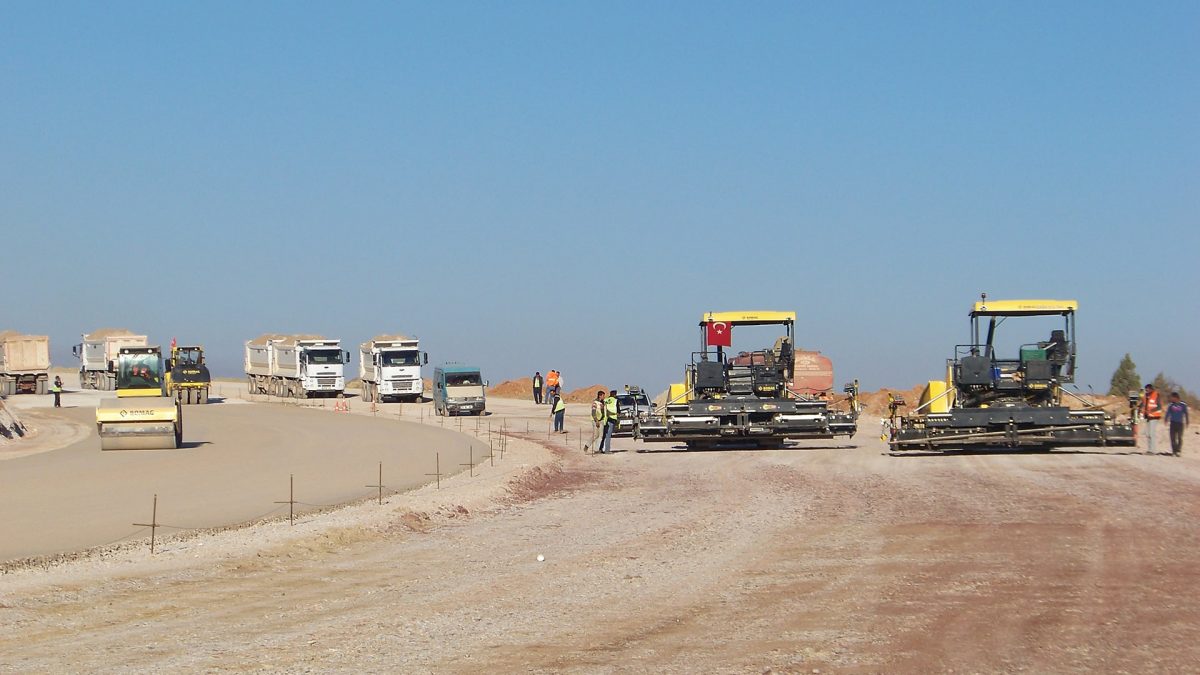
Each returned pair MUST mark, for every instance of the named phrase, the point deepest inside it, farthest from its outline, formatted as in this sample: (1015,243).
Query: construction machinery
(1015,400)
(748,400)
(142,416)
(187,374)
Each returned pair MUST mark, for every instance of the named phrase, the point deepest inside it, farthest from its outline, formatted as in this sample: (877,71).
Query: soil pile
(522,388)
(584,394)
(876,402)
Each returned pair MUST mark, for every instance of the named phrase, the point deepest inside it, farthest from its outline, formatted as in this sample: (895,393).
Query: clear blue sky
(537,185)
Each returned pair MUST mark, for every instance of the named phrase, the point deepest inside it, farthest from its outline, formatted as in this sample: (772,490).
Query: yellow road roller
(143,416)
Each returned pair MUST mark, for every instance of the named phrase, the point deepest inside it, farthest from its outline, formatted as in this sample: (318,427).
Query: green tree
(1125,379)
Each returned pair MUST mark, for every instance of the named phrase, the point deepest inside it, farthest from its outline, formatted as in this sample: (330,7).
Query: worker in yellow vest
(611,415)
(558,408)
(599,419)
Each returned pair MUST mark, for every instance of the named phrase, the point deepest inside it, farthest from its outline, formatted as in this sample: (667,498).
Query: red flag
(720,334)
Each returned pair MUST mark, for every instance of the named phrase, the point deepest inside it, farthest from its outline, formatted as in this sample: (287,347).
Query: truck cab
(390,368)
(458,390)
(322,366)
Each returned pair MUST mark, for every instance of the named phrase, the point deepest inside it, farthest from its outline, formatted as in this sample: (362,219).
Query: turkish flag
(720,334)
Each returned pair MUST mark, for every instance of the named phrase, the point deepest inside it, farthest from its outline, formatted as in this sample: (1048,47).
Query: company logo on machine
(137,413)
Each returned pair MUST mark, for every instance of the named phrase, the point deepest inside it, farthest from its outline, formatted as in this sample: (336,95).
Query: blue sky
(537,185)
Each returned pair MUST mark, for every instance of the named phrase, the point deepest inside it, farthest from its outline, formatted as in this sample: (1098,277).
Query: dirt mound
(108,332)
(876,402)
(584,394)
(522,388)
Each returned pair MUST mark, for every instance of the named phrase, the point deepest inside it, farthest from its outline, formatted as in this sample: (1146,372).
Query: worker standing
(551,383)
(599,417)
(1177,421)
(537,387)
(611,414)
(57,389)
(558,408)
(1151,410)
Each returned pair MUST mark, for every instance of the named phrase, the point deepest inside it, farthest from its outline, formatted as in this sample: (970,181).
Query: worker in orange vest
(551,383)
(1151,410)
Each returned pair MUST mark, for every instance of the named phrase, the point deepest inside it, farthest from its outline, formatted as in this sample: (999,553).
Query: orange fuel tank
(812,373)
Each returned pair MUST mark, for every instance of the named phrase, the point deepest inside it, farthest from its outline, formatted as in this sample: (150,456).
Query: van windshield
(401,358)
(463,380)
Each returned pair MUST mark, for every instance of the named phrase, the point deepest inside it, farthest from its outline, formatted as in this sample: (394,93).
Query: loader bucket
(145,423)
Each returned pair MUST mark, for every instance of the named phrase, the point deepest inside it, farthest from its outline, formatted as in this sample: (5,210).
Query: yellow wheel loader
(142,416)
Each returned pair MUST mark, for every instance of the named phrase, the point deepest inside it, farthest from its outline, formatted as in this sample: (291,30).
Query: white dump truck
(98,353)
(295,366)
(390,368)
(24,363)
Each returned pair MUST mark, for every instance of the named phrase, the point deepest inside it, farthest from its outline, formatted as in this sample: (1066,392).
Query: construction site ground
(831,556)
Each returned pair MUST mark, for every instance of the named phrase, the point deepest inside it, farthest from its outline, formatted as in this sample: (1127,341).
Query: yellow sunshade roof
(1023,307)
(759,318)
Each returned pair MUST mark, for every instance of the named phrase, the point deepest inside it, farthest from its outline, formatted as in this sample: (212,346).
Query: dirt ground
(829,557)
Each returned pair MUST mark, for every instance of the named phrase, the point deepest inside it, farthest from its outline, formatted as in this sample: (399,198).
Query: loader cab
(186,356)
(140,372)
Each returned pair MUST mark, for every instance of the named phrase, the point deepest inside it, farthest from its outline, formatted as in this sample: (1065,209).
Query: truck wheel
(40,387)
(204,395)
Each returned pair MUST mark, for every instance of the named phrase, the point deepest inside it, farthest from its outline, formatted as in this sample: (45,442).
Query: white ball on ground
(541,558)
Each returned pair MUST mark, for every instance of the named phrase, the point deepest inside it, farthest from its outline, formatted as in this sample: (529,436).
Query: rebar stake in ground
(291,502)
(380,484)
(153,524)
(437,469)
(471,464)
